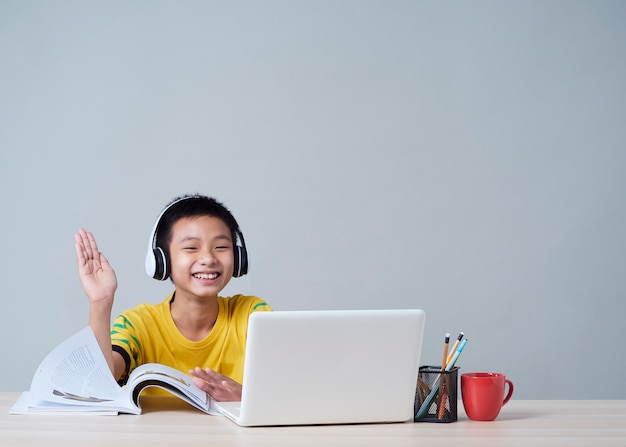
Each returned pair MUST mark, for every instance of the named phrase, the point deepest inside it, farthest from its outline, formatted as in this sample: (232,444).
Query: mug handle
(510,393)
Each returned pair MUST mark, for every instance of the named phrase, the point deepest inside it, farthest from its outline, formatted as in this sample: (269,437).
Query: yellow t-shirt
(147,334)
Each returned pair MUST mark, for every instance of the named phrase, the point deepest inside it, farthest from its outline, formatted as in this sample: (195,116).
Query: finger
(218,380)
(226,390)
(80,255)
(104,262)
(81,248)
(212,374)
(92,246)
(204,381)
(83,243)
(206,374)
(203,385)
(198,372)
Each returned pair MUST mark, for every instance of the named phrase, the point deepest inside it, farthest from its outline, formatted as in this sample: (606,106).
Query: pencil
(456,345)
(444,397)
(456,355)
(444,362)
(422,389)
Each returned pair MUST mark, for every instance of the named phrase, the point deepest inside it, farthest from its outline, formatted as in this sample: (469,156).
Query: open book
(74,377)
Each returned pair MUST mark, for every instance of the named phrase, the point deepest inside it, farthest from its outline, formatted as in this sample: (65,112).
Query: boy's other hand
(94,271)
(218,386)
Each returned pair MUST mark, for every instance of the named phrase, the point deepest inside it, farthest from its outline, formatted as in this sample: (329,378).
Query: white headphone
(157,264)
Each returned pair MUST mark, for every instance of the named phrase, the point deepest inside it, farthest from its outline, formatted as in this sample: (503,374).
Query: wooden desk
(170,422)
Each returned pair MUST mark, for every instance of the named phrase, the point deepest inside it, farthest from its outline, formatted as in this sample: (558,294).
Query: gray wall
(466,158)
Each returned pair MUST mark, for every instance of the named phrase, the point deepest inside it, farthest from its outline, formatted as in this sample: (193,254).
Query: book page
(22,406)
(76,373)
(170,379)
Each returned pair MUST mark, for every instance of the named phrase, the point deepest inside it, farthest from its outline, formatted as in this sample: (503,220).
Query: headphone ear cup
(241,262)
(150,263)
(161,269)
(237,262)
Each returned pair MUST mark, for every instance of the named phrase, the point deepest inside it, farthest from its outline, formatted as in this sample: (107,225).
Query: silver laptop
(329,367)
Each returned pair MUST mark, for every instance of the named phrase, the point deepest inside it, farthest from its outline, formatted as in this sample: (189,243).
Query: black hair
(193,206)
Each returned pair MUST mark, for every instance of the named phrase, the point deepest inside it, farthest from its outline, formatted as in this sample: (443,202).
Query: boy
(197,243)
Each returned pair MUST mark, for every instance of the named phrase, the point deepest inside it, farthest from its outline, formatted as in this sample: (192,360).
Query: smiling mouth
(206,275)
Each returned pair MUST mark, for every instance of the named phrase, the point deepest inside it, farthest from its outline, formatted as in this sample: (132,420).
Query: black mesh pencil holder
(436,395)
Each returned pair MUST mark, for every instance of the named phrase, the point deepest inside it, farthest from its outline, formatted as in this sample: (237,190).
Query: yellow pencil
(456,345)
(444,362)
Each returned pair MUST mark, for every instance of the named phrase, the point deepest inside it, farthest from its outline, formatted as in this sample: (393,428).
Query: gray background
(466,158)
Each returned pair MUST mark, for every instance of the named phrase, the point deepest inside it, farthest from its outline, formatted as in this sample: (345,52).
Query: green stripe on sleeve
(256,306)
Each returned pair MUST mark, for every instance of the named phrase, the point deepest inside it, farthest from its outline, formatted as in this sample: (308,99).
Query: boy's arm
(99,318)
(99,283)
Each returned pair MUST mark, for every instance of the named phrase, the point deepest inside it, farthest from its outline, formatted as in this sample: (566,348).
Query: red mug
(483,394)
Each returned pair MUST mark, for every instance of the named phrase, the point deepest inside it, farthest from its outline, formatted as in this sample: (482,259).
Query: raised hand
(94,271)
(218,386)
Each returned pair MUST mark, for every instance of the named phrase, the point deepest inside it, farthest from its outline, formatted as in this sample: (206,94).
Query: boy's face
(201,256)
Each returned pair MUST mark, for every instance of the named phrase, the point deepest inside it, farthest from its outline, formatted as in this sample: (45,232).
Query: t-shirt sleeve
(258,305)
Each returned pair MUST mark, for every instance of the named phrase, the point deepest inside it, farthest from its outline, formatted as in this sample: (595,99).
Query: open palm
(96,274)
